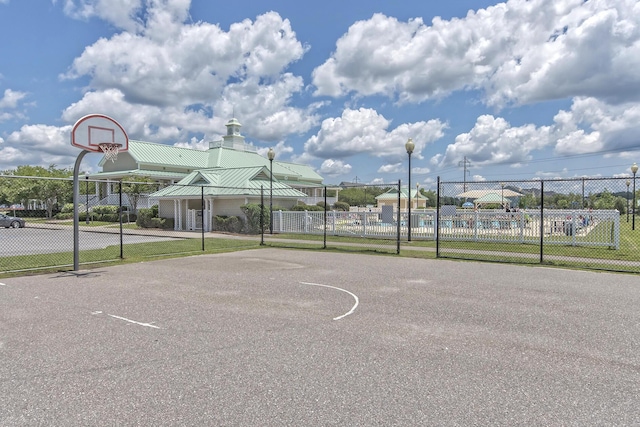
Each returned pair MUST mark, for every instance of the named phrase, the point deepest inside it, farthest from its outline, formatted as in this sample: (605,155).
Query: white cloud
(595,126)
(515,52)
(391,168)
(365,131)
(493,140)
(193,81)
(11,98)
(38,145)
(334,168)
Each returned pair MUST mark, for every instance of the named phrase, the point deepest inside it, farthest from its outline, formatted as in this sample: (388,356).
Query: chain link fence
(583,223)
(372,220)
(116,220)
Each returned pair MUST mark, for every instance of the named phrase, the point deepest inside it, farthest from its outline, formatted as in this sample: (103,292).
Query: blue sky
(521,89)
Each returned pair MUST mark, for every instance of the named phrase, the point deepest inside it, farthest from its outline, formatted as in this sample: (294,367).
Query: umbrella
(467,205)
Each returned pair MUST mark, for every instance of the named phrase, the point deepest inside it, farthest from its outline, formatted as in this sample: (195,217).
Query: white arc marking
(355,297)
(149,325)
(2,284)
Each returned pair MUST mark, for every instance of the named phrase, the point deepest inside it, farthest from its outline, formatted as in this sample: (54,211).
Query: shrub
(341,206)
(144,219)
(253,212)
(68,207)
(105,209)
(231,224)
(299,208)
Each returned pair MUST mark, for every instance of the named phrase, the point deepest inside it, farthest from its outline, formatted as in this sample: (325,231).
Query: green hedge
(229,224)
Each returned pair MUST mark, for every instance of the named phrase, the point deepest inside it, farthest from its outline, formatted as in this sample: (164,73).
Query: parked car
(11,221)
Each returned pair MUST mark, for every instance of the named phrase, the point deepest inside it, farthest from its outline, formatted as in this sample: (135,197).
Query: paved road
(30,240)
(276,337)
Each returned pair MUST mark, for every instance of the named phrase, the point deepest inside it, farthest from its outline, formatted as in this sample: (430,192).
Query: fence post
(436,222)
(541,220)
(324,243)
(398,217)
(262,216)
(120,218)
(203,217)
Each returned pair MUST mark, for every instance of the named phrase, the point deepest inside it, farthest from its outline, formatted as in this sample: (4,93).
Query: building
(201,184)
(390,198)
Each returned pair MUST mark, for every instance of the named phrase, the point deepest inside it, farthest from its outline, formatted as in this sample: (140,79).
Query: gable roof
(227,182)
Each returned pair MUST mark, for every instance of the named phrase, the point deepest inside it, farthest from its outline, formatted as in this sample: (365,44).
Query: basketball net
(110,150)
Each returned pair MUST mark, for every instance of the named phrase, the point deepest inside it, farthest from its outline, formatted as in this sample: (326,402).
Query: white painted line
(355,297)
(2,284)
(149,325)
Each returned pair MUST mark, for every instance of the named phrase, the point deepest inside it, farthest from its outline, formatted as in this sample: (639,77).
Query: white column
(108,187)
(210,215)
(175,215)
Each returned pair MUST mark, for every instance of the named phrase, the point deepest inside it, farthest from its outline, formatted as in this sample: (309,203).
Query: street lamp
(409,147)
(86,180)
(628,182)
(634,169)
(271,155)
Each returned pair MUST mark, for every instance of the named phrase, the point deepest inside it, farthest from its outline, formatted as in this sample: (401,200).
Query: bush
(299,208)
(105,209)
(341,206)
(231,224)
(68,207)
(145,217)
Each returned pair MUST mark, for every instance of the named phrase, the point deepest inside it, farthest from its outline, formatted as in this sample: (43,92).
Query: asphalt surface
(275,337)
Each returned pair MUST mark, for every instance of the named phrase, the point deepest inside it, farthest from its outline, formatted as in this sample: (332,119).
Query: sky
(517,90)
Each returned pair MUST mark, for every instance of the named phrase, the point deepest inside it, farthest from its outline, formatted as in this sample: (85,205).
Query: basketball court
(276,337)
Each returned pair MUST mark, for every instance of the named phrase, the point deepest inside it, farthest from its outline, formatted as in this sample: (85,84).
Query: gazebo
(494,196)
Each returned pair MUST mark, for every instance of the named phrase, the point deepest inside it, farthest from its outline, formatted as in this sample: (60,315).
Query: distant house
(227,175)
(390,198)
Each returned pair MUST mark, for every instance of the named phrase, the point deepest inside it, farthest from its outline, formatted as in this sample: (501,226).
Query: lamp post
(271,155)
(504,206)
(628,182)
(86,189)
(634,169)
(409,147)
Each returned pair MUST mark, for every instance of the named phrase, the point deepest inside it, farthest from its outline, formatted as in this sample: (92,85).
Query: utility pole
(464,163)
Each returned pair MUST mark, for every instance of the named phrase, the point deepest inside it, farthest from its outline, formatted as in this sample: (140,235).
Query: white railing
(562,227)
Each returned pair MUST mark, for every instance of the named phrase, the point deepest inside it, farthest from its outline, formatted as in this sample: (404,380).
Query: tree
(135,187)
(54,187)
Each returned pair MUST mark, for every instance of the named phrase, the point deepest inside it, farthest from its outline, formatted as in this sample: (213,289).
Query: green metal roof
(167,155)
(149,153)
(141,172)
(227,182)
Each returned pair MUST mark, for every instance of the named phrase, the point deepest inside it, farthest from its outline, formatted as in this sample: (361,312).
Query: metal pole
(324,244)
(436,220)
(541,220)
(633,217)
(628,200)
(86,187)
(398,222)
(409,196)
(120,218)
(76,199)
(261,215)
(203,211)
(271,197)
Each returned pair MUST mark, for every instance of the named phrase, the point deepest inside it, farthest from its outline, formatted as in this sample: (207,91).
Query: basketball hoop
(110,150)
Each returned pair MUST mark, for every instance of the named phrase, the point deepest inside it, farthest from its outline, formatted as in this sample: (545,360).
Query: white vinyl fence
(561,227)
